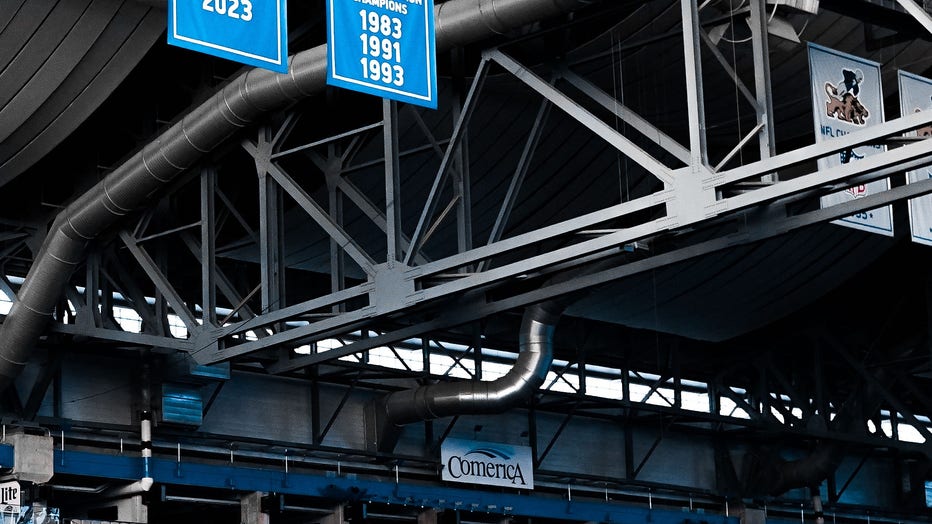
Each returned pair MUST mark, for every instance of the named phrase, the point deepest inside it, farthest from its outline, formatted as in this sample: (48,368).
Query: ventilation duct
(386,416)
(769,474)
(238,104)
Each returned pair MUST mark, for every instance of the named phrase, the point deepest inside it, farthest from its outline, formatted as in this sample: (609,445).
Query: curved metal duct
(535,355)
(385,417)
(238,104)
(769,474)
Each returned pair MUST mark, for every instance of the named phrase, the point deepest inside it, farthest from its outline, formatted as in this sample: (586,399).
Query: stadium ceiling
(566,118)
(652,164)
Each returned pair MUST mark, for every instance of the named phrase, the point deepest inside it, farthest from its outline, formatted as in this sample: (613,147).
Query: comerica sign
(487,463)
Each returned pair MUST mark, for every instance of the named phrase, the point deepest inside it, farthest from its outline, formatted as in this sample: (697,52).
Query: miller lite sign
(10,493)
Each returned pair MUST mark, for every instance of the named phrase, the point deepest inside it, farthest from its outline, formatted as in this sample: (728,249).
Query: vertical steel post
(694,94)
(208,246)
(763,395)
(270,236)
(392,182)
(314,373)
(461,185)
(333,172)
(763,93)
(532,427)
(477,349)
(91,288)
(629,444)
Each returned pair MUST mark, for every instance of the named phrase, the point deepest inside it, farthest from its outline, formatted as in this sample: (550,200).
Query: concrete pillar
(334,518)
(754,516)
(251,509)
(33,457)
(428,516)
(132,509)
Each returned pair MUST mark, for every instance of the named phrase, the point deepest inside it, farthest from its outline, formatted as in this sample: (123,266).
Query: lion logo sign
(843,102)
(925,131)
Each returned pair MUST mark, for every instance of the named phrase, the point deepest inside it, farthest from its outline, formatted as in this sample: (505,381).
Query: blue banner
(252,32)
(384,48)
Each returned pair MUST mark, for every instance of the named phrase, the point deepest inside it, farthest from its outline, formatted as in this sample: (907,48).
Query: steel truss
(396,285)
(650,404)
(400,281)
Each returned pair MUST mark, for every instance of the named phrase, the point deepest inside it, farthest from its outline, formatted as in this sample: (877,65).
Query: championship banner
(916,95)
(846,97)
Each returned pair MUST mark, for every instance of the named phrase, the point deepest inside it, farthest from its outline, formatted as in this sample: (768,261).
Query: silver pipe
(146,439)
(817,507)
(458,398)
(238,104)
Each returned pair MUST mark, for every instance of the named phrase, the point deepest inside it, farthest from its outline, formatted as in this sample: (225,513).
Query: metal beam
(296,310)
(628,116)
(455,316)
(517,179)
(376,490)
(129,288)
(161,283)
(271,225)
(392,182)
(694,93)
(138,339)
(722,61)
(459,132)
(578,113)
(918,13)
(874,134)
(354,250)
(883,388)
(378,217)
(222,282)
(208,246)
(762,85)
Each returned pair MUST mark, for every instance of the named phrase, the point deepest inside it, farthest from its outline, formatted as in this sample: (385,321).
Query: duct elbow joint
(386,416)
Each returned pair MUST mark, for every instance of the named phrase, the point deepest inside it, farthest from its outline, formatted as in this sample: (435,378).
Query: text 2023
(240,9)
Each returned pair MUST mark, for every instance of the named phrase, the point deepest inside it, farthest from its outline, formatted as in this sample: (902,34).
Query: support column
(763,93)
(694,94)
(251,509)
(428,516)
(754,516)
(392,183)
(208,246)
(336,517)
(271,227)
(332,172)
(461,184)
(132,510)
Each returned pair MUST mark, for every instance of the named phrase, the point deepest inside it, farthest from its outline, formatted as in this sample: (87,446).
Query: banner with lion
(847,97)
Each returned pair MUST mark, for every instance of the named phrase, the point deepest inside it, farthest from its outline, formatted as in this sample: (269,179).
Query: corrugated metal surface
(58,62)
(733,292)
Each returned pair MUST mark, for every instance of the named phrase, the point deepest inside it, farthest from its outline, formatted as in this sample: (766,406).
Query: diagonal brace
(320,216)
(575,111)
